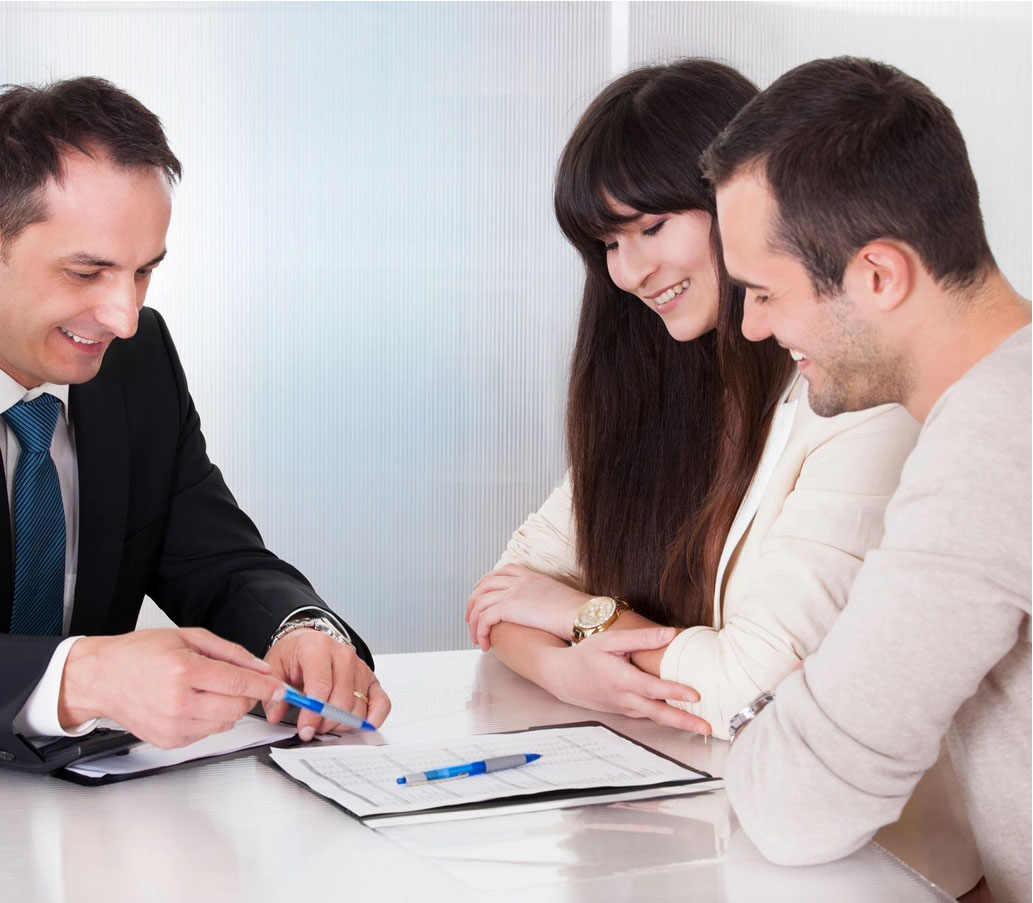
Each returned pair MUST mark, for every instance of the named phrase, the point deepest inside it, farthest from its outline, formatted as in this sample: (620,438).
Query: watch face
(596,612)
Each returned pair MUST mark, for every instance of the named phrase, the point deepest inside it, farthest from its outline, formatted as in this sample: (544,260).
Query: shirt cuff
(38,717)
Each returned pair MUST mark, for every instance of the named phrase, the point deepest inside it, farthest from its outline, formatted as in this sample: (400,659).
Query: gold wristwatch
(596,615)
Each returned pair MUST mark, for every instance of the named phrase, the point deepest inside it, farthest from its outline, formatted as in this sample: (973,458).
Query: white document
(246,733)
(364,780)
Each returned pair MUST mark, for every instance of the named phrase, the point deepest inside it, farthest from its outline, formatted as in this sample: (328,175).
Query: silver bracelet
(323,625)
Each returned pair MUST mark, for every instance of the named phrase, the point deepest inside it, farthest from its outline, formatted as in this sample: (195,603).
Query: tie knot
(33,422)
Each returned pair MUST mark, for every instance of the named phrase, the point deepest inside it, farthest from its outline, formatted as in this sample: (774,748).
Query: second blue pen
(499,763)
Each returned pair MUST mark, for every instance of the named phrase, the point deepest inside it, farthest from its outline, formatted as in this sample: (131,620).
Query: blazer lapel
(778,438)
(102,455)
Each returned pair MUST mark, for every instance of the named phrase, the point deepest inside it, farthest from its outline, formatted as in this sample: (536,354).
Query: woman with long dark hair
(671,415)
(711,523)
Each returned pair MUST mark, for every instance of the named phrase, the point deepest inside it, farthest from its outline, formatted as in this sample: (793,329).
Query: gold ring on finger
(361,696)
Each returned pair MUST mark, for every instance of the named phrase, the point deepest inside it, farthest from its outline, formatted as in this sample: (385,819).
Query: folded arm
(839,752)
(596,673)
(524,610)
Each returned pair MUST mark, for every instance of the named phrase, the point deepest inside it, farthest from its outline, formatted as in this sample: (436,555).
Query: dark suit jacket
(155,518)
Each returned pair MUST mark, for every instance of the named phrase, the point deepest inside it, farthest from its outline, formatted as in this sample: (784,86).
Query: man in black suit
(135,506)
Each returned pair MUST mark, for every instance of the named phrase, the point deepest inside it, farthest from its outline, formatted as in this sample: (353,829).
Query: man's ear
(881,272)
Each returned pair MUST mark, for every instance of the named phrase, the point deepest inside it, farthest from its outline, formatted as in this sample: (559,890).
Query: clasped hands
(171,687)
(598,673)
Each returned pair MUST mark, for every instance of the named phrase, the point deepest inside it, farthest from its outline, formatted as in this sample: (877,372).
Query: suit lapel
(102,456)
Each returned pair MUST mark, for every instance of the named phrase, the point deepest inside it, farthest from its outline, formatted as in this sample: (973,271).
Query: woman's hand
(521,596)
(597,674)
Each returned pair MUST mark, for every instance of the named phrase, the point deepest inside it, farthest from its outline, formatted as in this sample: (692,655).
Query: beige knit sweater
(934,641)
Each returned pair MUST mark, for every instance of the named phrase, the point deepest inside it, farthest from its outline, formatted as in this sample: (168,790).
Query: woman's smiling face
(665,259)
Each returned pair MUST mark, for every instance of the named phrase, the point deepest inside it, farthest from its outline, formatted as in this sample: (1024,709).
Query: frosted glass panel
(975,56)
(367,287)
(365,282)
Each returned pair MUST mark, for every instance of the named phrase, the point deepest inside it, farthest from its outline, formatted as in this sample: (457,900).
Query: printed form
(364,779)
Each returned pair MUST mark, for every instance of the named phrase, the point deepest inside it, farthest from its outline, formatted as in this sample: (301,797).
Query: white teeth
(673,292)
(797,355)
(78,339)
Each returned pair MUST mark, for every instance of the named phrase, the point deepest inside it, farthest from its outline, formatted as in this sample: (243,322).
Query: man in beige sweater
(849,211)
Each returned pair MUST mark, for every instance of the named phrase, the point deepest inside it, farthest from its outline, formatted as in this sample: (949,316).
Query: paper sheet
(246,733)
(364,779)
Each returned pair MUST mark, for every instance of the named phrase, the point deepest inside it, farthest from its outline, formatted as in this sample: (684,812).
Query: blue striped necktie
(39,521)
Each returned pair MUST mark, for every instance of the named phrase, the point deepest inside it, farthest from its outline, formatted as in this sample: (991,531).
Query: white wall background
(365,281)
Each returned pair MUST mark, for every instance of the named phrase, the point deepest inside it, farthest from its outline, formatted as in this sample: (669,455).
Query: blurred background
(365,282)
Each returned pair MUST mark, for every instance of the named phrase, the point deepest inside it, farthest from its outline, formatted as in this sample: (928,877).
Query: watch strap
(745,715)
(321,623)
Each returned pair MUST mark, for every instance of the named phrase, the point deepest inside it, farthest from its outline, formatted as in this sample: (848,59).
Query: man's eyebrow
(89,260)
(742,283)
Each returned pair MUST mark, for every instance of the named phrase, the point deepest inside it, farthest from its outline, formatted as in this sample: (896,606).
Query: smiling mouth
(666,297)
(78,339)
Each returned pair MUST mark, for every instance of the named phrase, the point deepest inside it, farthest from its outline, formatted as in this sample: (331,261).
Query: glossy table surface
(239,830)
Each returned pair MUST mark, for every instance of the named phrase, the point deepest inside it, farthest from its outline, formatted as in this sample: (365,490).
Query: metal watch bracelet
(744,716)
(323,625)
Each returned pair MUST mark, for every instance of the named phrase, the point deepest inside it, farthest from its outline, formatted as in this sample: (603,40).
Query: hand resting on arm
(519,595)
(526,619)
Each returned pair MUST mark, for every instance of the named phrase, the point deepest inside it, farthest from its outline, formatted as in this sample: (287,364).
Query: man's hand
(325,669)
(168,687)
(596,674)
(521,596)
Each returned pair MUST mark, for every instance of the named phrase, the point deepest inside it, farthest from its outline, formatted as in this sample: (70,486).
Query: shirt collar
(11,392)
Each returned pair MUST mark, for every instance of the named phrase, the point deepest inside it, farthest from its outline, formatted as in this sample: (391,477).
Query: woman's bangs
(618,169)
(583,207)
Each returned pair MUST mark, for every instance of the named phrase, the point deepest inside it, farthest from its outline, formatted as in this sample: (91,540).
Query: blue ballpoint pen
(499,763)
(330,712)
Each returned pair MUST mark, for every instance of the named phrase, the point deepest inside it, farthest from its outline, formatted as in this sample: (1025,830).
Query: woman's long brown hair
(663,437)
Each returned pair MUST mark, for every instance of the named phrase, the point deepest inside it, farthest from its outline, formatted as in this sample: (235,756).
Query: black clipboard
(261,751)
(61,771)
(48,755)
(499,805)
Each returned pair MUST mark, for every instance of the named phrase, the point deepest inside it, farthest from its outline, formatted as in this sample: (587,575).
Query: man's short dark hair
(853,151)
(39,124)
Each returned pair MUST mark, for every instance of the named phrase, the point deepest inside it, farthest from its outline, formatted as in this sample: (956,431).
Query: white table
(238,830)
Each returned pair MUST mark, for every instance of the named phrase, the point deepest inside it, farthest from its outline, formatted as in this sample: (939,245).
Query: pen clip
(451,777)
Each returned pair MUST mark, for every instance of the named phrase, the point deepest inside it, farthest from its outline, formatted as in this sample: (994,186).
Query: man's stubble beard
(861,372)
